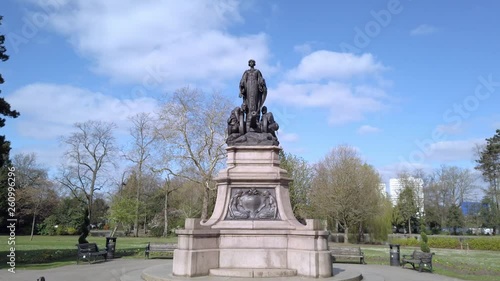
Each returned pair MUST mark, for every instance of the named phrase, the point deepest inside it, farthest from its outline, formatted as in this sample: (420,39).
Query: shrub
(61,230)
(44,256)
(47,226)
(452,242)
(424,247)
(408,242)
(484,243)
(71,230)
(425,239)
(444,242)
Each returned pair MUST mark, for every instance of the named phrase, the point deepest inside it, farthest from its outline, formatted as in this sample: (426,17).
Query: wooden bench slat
(155,247)
(348,253)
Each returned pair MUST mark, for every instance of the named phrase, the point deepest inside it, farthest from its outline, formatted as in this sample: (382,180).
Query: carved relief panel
(253,204)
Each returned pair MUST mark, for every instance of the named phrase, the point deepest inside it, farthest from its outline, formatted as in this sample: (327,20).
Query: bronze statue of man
(253,89)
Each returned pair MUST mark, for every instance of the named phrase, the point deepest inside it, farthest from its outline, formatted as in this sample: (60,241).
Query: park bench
(156,247)
(89,251)
(418,258)
(347,252)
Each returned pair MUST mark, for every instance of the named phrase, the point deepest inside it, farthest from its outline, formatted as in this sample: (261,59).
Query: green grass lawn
(468,265)
(54,251)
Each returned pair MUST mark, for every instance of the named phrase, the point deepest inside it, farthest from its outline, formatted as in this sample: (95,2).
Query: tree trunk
(33,226)
(346,235)
(204,211)
(165,212)
(90,206)
(112,234)
(360,233)
(136,217)
(409,226)
(137,201)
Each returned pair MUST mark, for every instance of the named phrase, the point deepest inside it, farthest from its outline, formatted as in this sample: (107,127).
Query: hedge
(51,255)
(475,243)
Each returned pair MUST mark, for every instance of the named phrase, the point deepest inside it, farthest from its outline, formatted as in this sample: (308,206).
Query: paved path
(111,270)
(128,269)
(392,273)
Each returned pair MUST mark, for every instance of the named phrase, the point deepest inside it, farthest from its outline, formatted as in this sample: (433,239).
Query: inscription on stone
(252,204)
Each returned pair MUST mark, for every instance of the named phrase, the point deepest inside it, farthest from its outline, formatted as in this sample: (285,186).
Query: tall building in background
(395,187)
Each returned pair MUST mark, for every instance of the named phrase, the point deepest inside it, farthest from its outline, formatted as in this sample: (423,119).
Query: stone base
(252,230)
(253,272)
(202,250)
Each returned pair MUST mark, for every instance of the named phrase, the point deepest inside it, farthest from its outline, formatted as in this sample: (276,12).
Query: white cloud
(58,107)
(367,129)
(393,170)
(423,29)
(348,86)
(171,41)
(332,65)
(288,137)
(343,103)
(450,129)
(305,48)
(451,151)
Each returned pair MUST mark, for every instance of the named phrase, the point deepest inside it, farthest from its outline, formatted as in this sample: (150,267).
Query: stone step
(164,273)
(253,272)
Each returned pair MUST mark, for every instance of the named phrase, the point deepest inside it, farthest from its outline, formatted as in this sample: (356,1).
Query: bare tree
(346,189)
(448,186)
(456,184)
(89,155)
(143,138)
(192,129)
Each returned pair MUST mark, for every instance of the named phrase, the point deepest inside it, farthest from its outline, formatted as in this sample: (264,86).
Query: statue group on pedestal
(252,124)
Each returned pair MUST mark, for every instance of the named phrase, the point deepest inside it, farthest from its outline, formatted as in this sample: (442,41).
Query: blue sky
(402,81)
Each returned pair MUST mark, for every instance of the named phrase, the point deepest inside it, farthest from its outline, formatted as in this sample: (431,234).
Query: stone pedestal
(252,231)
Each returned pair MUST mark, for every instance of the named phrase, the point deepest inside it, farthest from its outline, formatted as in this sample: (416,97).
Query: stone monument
(252,231)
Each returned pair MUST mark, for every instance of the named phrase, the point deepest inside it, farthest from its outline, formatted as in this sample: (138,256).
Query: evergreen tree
(455,218)
(489,165)
(5,111)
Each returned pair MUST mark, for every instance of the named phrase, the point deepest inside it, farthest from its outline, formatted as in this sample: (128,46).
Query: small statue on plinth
(267,123)
(252,124)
